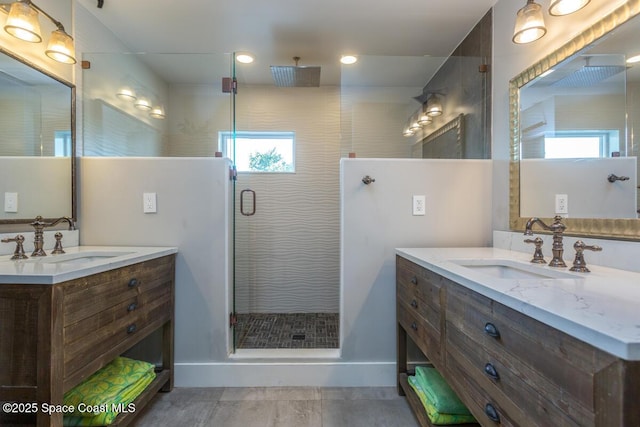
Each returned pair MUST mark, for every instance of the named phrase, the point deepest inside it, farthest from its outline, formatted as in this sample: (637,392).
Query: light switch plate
(11,202)
(149,203)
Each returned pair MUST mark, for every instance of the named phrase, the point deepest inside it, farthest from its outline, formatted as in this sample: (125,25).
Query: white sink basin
(79,258)
(509,269)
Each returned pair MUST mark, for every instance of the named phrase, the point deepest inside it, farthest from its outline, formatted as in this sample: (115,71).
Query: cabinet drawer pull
(490,370)
(132,306)
(133,283)
(491,330)
(414,326)
(131,328)
(414,304)
(491,412)
(414,280)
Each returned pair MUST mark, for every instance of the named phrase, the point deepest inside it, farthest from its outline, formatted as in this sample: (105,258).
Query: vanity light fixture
(348,59)
(126,93)
(142,103)
(424,118)
(157,112)
(565,7)
(22,23)
(529,23)
(434,106)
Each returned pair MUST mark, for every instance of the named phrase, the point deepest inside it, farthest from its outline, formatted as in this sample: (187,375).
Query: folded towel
(439,393)
(112,411)
(437,418)
(107,386)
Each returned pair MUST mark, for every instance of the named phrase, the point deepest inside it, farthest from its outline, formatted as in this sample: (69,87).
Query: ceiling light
(348,59)
(23,23)
(633,59)
(529,23)
(244,58)
(565,7)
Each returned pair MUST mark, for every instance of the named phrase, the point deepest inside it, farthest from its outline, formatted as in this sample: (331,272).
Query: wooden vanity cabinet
(512,370)
(54,336)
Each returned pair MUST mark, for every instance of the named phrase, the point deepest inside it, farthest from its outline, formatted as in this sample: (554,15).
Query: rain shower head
(295,75)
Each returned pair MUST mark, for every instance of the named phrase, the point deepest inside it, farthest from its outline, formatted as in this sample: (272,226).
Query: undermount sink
(509,269)
(79,258)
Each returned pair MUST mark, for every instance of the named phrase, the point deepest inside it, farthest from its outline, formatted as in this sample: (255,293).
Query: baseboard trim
(286,374)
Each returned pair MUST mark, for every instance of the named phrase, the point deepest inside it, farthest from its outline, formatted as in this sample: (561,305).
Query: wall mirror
(38,143)
(573,116)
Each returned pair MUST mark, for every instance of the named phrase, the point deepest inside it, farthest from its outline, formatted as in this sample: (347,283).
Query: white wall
(377,218)
(193,215)
(509,60)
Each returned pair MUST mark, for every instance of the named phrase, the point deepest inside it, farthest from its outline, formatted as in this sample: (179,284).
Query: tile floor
(288,330)
(278,407)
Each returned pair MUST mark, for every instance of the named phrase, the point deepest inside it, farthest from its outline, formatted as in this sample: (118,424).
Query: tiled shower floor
(287,330)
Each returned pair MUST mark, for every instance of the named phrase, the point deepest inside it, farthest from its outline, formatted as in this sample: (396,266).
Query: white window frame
(225,145)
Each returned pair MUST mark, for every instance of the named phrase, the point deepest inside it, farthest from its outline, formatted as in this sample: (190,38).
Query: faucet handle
(579,264)
(538,258)
(57,249)
(19,252)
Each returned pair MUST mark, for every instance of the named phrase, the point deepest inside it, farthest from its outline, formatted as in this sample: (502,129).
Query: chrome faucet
(39,225)
(557,228)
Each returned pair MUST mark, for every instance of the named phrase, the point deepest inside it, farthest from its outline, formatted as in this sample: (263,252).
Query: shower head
(295,75)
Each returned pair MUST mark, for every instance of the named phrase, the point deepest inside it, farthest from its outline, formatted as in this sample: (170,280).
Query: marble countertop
(77,262)
(601,308)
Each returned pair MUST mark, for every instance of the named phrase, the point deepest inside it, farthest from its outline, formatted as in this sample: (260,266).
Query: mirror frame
(72,87)
(456,125)
(628,229)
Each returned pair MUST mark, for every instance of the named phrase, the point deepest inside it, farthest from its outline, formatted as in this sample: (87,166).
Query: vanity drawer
(560,368)
(419,282)
(421,332)
(87,296)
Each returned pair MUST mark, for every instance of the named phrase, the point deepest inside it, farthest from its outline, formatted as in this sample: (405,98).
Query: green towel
(443,398)
(109,385)
(110,412)
(437,418)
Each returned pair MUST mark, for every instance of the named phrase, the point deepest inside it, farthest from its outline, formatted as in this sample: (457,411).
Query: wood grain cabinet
(510,369)
(54,336)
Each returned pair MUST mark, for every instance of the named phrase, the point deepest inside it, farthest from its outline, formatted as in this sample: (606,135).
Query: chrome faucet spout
(557,228)
(39,225)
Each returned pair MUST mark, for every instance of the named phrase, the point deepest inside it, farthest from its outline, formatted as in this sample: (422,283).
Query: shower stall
(286,149)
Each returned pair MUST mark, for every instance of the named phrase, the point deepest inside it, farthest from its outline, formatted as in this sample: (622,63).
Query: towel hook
(368,180)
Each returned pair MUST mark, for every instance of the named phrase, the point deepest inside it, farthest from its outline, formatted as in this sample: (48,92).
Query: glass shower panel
(286,219)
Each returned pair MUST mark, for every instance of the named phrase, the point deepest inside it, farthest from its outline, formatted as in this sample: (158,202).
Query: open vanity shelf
(53,336)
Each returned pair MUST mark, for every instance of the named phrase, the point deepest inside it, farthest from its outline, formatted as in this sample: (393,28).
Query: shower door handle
(253,203)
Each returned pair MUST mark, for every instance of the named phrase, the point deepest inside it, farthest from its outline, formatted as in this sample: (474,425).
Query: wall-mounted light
(126,93)
(424,118)
(157,112)
(565,7)
(633,59)
(434,106)
(529,23)
(22,23)
(142,103)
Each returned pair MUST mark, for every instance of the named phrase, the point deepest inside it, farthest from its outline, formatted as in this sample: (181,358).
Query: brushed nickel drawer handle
(132,306)
(131,328)
(414,304)
(491,412)
(414,280)
(490,370)
(491,330)
(414,326)
(133,283)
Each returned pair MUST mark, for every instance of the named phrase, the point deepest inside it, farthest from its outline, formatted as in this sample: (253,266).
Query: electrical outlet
(419,205)
(11,202)
(149,202)
(562,204)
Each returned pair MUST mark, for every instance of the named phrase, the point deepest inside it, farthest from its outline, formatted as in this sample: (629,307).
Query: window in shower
(266,152)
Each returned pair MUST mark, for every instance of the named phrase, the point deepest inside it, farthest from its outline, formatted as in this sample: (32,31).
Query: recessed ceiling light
(633,59)
(348,59)
(244,58)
